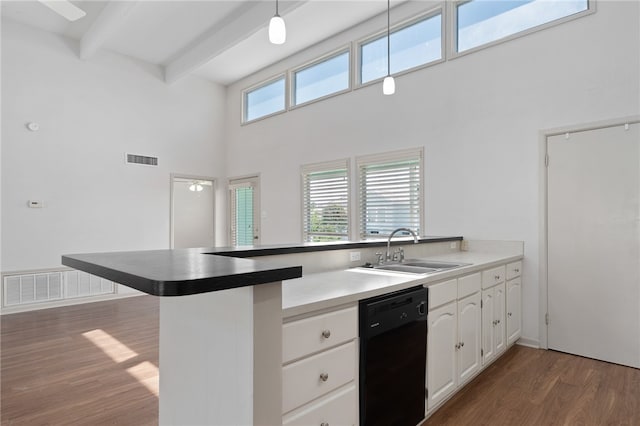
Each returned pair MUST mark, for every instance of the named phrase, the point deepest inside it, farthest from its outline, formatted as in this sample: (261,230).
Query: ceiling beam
(111,17)
(242,23)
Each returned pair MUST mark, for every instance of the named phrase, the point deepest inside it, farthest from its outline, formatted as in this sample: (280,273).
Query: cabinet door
(441,353)
(499,306)
(514,310)
(337,408)
(488,326)
(469,332)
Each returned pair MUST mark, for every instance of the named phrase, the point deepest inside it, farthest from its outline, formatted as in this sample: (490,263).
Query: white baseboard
(65,302)
(530,343)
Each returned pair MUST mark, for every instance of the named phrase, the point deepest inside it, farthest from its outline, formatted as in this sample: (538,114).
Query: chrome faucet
(388,254)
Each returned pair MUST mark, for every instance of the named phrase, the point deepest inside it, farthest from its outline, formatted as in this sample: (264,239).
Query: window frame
(388,157)
(324,166)
(427,14)
(317,60)
(452,24)
(263,83)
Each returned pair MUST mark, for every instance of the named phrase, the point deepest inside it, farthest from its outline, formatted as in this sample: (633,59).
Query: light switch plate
(354,256)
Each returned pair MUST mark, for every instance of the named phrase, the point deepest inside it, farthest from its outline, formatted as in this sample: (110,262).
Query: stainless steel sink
(433,264)
(420,266)
(405,268)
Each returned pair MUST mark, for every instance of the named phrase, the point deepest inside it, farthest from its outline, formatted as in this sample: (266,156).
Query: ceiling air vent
(141,159)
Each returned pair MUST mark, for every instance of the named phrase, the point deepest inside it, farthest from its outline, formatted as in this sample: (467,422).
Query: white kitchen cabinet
(442,341)
(319,332)
(336,408)
(514,310)
(469,336)
(454,338)
(320,369)
(493,322)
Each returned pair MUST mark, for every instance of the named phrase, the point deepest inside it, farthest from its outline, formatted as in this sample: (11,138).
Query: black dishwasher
(393,354)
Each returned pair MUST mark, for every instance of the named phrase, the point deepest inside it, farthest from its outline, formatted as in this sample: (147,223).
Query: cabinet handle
(324,424)
(495,322)
(516,270)
(324,377)
(497,277)
(498,322)
(326,334)
(461,344)
(509,314)
(457,346)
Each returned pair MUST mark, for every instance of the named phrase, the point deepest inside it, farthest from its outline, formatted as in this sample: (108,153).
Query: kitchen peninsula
(221,352)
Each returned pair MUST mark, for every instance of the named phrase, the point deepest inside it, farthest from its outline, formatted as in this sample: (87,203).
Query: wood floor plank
(531,387)
(53,373)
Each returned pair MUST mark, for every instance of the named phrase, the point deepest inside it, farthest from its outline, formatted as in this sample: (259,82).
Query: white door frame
(543,282)
(173,177)
(257,211)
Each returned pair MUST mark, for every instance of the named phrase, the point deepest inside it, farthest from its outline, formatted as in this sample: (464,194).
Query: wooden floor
(537,387)
(96,364)
(90,364)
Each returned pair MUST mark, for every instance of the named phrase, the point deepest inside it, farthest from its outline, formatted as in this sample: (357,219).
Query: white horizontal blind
(325,202)
(390,193)
(242,211)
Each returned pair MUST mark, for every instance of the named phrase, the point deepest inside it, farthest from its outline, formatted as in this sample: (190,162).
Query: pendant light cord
(388,37)
(277,8)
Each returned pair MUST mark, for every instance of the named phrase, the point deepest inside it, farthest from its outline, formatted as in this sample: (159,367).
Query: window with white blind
(390,193)
(325,201)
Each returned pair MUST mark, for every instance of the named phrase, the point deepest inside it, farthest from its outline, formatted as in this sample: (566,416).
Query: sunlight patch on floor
(147,375)
(111,346)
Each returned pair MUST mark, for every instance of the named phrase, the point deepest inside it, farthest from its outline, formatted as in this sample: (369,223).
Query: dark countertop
(181,272)
(269,250)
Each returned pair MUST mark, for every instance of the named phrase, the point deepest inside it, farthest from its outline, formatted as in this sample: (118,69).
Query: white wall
(90,113)
(479,118)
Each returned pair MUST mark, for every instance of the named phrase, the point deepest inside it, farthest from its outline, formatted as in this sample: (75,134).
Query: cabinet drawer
(469,284)
(309,335)
(514,269)
(492,276)
(442,293)
(303,381)
(337,408)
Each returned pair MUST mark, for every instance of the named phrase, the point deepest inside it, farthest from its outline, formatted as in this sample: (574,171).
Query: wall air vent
(141,159)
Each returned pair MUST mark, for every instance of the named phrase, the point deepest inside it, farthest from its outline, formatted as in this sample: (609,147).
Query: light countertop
(331,289)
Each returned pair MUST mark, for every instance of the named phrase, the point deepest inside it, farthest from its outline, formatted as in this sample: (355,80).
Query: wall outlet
(354,256)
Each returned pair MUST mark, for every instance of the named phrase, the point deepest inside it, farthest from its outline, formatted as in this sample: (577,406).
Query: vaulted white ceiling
(223,41)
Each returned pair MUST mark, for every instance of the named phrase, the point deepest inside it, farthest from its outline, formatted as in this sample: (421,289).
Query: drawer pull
(324,377)
(326,334)
(509,314)
(497,277)
(516,270)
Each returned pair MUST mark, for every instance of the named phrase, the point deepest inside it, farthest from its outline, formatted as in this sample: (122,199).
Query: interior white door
(192,212)
(594,244)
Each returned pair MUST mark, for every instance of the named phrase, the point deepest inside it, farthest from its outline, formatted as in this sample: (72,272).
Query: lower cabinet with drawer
(471,321)
(319,372)
(453,341)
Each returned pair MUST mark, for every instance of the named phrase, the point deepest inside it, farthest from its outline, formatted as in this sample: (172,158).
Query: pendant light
(277,29)
(389,84)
